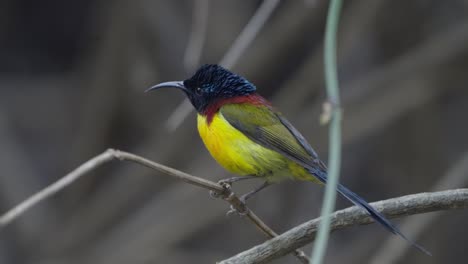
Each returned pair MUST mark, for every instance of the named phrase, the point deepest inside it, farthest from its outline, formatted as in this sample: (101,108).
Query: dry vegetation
(72,77)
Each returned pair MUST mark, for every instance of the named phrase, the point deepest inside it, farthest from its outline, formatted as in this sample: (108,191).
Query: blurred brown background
(72,76)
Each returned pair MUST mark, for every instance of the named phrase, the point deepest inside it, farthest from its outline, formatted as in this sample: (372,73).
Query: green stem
(334,154)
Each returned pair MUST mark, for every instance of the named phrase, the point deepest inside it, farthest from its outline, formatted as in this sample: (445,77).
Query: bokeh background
(72,76)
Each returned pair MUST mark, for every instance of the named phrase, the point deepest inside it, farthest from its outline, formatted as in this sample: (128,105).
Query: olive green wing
(268,128)
(271,130)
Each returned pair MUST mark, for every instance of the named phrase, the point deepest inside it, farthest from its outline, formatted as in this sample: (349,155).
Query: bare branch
(197,181)
(93,164)
(111,154)
(396,207)
(14,189)
(86,167)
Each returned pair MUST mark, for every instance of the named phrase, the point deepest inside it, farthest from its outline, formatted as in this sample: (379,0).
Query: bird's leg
(226,183)
(232,180)
(248,195)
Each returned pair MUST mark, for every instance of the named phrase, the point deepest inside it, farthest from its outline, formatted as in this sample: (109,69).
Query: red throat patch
(254,99)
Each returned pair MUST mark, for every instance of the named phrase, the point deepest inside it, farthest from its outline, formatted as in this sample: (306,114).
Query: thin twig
(395,207)
(93,164)
(179,115)
(197,181)
(334,153)
(231,57)
(15,159)
(197,37)
(50,190)
(249,33)
(111,154)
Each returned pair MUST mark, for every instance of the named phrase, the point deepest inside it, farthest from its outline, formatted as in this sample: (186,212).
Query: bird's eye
(198,90)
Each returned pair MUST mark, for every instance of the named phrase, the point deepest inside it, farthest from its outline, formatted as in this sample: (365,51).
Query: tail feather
(377,216)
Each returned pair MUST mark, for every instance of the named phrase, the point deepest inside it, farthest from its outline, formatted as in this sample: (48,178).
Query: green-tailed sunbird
(248,137)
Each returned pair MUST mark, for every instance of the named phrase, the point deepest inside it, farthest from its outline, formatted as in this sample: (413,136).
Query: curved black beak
(178,84)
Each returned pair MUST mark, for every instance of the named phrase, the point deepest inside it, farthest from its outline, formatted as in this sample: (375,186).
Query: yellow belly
(240,155)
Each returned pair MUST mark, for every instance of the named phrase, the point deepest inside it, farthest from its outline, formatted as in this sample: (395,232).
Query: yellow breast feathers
(237,153)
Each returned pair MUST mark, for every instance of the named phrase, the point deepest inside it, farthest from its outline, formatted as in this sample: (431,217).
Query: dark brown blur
(72,76)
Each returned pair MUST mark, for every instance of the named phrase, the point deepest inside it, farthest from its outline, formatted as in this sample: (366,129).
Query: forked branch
(112,154)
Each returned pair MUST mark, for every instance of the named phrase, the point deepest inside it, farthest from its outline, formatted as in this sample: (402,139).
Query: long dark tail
(378,217)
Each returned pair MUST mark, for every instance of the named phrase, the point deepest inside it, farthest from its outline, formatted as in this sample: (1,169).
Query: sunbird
(248,137)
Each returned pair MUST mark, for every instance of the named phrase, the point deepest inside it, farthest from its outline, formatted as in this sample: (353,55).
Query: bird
(248,137)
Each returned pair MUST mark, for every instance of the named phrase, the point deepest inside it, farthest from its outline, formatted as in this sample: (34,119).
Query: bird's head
(210,84)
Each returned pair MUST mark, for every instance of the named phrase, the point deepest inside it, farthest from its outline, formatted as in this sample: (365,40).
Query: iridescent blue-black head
(209,84)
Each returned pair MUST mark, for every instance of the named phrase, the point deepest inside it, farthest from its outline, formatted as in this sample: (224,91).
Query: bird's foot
(244,198)
(232,180)
(233,211)
(238,205)
(226,186)
(214,194)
